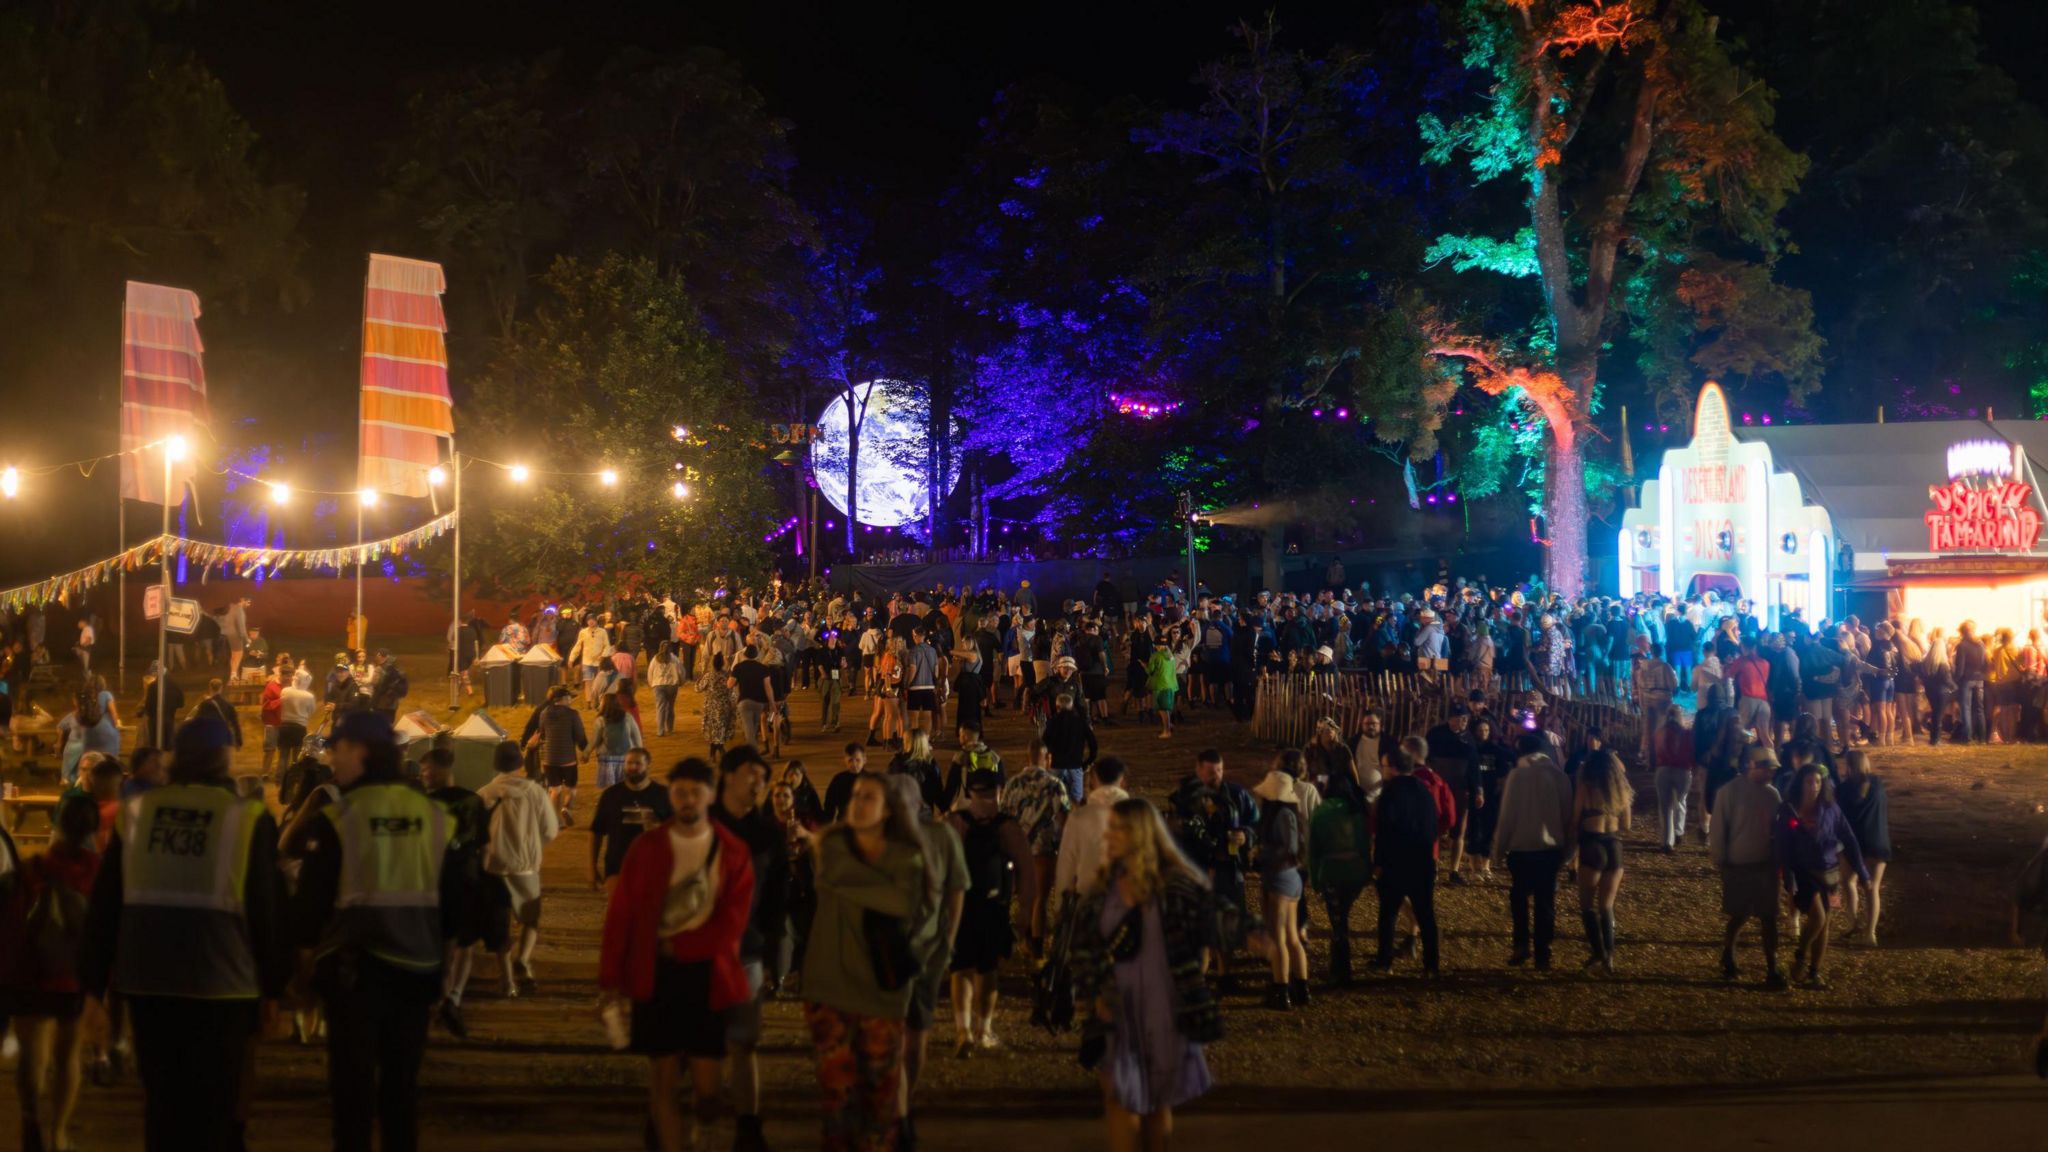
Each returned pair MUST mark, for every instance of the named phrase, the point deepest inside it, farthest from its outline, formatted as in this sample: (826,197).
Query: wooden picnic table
(19,808)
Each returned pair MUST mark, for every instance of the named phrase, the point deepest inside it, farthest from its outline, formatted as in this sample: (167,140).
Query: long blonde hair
(1154,853)
(1603,786)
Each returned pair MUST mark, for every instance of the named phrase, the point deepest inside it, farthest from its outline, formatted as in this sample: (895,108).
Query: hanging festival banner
(163,388)
(234,560)
(406,408)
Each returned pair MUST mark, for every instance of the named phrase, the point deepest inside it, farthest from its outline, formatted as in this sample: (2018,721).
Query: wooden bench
(20,808)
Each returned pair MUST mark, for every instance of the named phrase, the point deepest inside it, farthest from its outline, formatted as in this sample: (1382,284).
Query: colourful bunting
(234,560)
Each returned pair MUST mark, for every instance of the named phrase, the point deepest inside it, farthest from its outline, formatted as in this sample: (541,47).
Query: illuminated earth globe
(893,443)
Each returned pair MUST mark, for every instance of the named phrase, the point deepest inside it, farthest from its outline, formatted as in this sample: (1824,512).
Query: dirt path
(1515,1059)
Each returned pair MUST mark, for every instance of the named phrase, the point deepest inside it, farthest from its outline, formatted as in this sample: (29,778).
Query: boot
(1607,939)
(747,1136)
(1298,992)
(1276,998)
(1596,953)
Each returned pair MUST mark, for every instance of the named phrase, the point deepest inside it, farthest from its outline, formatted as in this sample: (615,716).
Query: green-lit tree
(1651,183)
(614,356)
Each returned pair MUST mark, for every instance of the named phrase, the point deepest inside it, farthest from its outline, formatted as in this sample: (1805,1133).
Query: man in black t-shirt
(839,793)
(624,811)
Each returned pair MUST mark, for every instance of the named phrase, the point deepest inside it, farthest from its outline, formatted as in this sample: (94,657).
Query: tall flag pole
(163,412)
(406,408)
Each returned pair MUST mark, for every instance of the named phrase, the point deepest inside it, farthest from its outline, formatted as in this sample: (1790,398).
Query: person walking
(1140,933)
(932,940)
(1671,754)
(625,811)
(753,684)
(665,676)
(1404,854)
(522,824)
(834,669)
(1862,798)
(740,809)
(1281,849)
(1001,860)
(859,967)
(1601,808)
(671,946)
(372,892)
(1742,848)
(1037,800)
(1535,829)
(1081,843)
(185,925)
(556,730)
(1070,743)
(1163,682)
(618,733)
(1339,855)
(1809,839)
(43,917)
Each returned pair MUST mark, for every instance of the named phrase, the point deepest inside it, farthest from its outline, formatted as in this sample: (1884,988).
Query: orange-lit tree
(1653,182)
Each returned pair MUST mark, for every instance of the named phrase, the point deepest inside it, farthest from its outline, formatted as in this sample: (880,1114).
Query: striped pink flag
(406,409)
(163,389)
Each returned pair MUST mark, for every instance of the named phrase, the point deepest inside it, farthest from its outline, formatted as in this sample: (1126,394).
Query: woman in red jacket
(672,947)
(42,926)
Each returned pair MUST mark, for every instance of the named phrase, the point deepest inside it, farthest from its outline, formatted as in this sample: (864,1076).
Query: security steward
(184,923)
(373,896)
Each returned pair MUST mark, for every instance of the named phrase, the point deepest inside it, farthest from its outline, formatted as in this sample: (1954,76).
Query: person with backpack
(974,758)
(469,906)
(92,726)
(1340,855)
(1404,854)
(999,861)
(214,706)
(392,687)
(42,927)
(522,822)
(1281,849)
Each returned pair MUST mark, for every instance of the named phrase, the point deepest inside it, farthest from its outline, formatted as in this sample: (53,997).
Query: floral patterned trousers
(860,1067)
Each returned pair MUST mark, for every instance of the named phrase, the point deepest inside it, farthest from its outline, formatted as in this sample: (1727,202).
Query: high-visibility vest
(184,867)
(388,904)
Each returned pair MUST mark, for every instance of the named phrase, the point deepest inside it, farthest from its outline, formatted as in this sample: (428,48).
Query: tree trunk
(1564,507)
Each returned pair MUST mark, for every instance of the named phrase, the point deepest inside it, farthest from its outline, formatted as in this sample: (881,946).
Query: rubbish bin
(476,748)
(501,687)
(539,670)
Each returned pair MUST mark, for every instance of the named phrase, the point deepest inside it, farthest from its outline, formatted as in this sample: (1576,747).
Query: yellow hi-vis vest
(388,905)
(184,867)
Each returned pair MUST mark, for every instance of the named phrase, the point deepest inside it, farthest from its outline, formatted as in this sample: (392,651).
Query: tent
(475,744)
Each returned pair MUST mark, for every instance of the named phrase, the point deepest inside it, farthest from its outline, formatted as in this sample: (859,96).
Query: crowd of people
(173,903)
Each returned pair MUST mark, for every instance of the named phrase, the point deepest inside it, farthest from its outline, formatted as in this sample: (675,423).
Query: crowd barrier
(1290,705)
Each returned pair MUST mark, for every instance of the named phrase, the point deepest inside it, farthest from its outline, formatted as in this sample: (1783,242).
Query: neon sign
(1997,517)
(1980,458)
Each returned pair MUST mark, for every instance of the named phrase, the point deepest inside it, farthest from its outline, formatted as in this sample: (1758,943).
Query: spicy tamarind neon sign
(1996,517)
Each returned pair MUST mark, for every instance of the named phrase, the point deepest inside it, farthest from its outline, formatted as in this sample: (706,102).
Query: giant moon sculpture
(893,443)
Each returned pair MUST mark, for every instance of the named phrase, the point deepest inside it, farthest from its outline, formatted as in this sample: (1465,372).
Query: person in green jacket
(1340,855)
(860,965)
(1163,680)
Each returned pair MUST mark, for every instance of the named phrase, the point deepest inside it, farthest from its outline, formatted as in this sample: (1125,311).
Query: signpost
(184,616)
(152,602)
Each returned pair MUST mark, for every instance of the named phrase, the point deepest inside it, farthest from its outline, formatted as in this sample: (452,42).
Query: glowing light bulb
(682,490)
(279,493)
(608,478)
(368,496)
(174,448)
(437,476)
(520,473)
(10,483)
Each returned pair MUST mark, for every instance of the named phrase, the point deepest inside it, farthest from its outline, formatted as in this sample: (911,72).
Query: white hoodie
(522,823)
(1081,845)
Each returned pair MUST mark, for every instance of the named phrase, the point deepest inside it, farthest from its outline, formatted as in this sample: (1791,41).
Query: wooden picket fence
(1290,704)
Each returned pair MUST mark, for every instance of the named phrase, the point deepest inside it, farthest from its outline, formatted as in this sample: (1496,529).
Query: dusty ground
(1488,1054)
